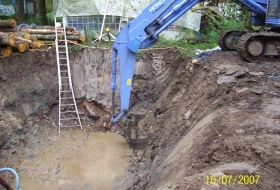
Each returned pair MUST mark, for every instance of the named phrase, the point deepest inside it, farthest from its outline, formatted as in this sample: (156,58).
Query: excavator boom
(143,32)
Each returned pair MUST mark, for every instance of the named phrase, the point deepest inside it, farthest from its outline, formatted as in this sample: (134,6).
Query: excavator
(143,32)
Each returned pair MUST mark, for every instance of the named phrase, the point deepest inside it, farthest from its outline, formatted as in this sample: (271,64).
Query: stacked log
(20,47)
(8,23)
(7,39)
(22,38)
(47,33)
(5,52)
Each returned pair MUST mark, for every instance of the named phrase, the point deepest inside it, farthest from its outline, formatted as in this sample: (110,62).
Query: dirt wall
(216,115)
(29,83)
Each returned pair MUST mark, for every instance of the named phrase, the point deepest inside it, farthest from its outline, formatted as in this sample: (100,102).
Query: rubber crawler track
(264,36)
(224,35)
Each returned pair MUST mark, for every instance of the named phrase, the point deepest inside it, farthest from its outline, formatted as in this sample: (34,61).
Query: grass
(187,48)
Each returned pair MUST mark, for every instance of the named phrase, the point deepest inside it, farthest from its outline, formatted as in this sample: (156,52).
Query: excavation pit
(195,125)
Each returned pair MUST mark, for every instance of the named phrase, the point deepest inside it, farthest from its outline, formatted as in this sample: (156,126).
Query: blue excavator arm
(142,32)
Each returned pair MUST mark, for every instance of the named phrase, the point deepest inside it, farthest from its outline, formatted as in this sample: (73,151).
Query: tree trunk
(8,23)
(42,10)
(52,37)
(73,37)
(33,38)
(6,52)
(19,47)
(8,29)
(24,35)
(46,31)
(49,43)
(46,37)
(7,39)
(67,28)
(20,13)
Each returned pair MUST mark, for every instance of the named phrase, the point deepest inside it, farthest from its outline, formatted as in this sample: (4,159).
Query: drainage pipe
(15,173)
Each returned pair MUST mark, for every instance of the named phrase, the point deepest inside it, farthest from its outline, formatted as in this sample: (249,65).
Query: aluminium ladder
(68,112)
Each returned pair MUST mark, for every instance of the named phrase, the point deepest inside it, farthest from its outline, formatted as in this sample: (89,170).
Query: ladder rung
(66,91)
(64,77)
(68,112)
(66,98)
(62,64)
(64,71)
(70,126)
(62,58)
(69,119)
(67,104)
(62,52)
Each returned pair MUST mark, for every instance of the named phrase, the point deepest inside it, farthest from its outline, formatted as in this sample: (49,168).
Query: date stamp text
(233,179)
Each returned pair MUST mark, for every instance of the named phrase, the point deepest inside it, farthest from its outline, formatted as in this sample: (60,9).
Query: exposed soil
(214,116)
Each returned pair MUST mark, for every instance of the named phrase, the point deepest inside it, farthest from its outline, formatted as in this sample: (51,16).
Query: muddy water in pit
(76,160)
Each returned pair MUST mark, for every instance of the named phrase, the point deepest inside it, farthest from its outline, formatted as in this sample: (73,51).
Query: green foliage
(138,54)
(32,19)
(49,5)
(232,11)
(3,17)
(232,21)
(35,19)
(214,29)
(50,19)
(6,2)
(188,49)
(89,36)
(229,18)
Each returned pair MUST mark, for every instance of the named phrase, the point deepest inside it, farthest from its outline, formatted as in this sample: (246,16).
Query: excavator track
(259,46)
(228,39)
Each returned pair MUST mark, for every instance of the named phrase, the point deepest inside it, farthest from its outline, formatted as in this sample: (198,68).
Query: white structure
(7,10)
(90,13)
